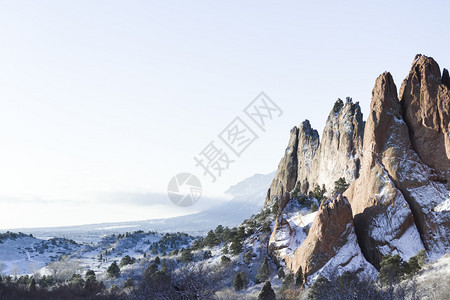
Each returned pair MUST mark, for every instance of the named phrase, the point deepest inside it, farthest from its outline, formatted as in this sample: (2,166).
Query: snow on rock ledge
(331,246)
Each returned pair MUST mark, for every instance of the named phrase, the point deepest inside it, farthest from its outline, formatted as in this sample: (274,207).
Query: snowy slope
(25,254)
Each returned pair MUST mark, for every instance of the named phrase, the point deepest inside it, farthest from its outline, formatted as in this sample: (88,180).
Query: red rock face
(399,202)
(425,99)
(327,235)
(382,214)
(396,188)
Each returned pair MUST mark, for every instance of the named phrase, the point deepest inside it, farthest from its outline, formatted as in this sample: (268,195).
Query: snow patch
(349,258)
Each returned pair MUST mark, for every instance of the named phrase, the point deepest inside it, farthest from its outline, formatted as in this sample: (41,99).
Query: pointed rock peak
(385,110)
(384,96)
(293,137)
(353,106)
(338,105)
(385,82)
(286,176)
(445,78)
(424,97)
(306,125)
(424,65)
(348,109)
(425,73)
(294,129)
(385,88)
(330,230)
(307,129)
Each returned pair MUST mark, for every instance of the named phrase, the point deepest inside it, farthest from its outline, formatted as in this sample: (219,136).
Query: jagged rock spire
(425,99)
(323,161)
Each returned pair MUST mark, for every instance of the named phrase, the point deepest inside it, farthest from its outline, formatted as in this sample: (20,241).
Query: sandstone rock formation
(286,175)
(308,144)
(398,161)
(331,244)
(321,162)
(396,201)
(425,99)
(383,219)
(340,148)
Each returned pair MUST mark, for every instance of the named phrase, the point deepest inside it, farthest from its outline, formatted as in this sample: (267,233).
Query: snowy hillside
(24,254)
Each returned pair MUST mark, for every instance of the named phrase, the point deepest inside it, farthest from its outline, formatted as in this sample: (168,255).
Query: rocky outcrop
(393,200)
(425,99)
(331,245)
(383,219)
(286,176)
(398,161)
(308,144)
(339,152)
(322,162)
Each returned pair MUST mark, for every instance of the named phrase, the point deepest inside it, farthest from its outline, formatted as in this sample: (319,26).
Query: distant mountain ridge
(247,199)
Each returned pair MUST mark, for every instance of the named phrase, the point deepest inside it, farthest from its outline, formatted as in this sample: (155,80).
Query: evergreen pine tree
(210,239)
(219,233)
(187,256)
(114,289)
(263,272)
(287,282)
(225,259)
(113,270)
(267,292)
(91,285)
(236,246)
(126,260)
(238,282)
(340,185)
(391,269)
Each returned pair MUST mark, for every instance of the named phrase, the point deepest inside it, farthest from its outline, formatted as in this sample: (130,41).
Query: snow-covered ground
(28,255)
(432,282)
(24,254)
(300,218)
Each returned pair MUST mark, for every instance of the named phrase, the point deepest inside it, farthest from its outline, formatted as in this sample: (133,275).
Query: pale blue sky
(104,98)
